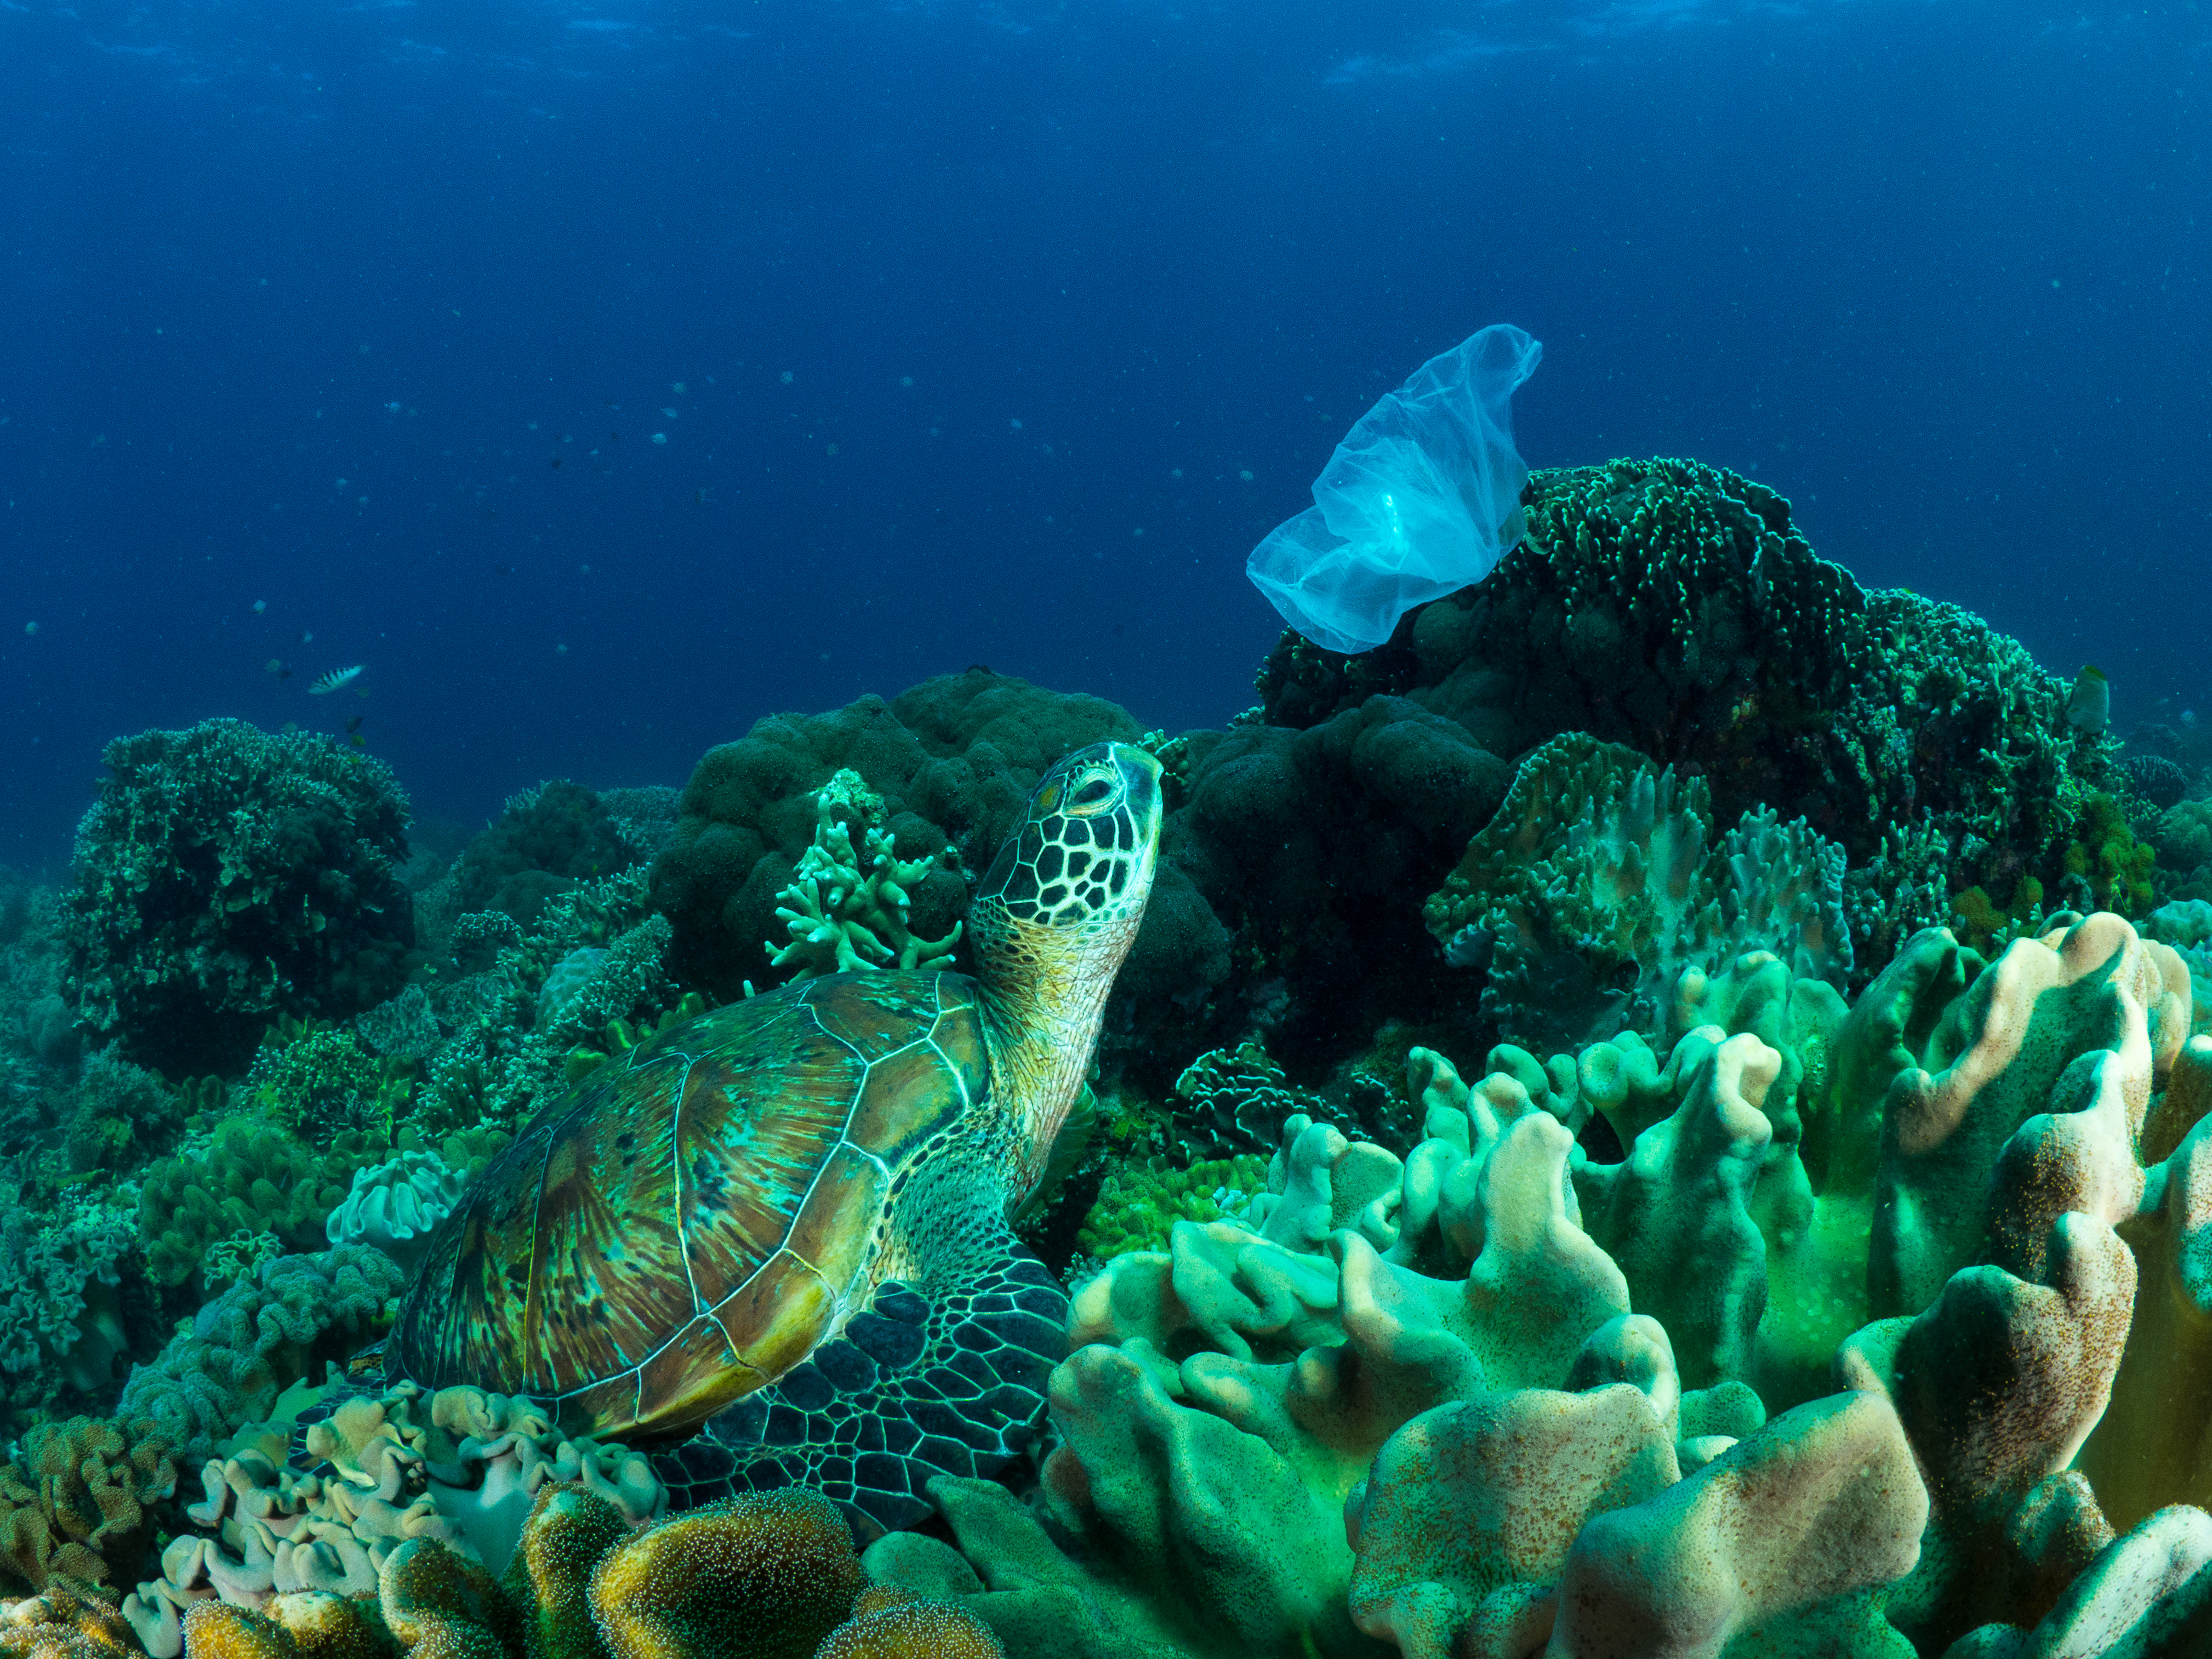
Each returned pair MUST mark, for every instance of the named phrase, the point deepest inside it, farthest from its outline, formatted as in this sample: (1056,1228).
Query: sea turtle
(783,1227)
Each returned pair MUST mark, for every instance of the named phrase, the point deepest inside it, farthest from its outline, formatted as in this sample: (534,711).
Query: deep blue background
(301,303)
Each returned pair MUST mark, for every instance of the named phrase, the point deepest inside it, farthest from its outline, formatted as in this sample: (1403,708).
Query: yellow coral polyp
(763,1575)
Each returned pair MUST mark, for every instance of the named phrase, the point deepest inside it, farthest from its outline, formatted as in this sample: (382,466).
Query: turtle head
(1053,919)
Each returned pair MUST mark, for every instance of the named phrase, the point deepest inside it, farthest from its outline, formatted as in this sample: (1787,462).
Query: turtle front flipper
(943,1375)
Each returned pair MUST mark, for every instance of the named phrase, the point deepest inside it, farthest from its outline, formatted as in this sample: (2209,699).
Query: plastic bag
(1421,498)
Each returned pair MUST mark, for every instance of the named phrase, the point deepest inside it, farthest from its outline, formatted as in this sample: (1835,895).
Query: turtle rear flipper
(943,1377)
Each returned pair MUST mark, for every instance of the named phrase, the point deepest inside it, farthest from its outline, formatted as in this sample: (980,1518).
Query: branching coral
(847,909)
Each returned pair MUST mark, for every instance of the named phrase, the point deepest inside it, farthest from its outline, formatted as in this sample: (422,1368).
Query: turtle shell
(692,1219)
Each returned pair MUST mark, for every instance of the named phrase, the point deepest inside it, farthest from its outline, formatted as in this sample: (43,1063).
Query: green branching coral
(226,875)
(847,909)
(318,1082)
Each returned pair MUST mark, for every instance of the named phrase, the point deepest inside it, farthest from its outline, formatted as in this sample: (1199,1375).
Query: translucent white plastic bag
(1422,497)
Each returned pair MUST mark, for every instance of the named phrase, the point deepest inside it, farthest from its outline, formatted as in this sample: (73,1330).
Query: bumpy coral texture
(246,1180)
(1852,1354)
(285,1321)
(1674,607)
(226,875)
(77,1502)
(767,1575)
(1599,881)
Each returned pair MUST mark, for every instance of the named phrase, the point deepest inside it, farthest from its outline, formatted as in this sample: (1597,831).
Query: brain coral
(226,875)
(1675,608)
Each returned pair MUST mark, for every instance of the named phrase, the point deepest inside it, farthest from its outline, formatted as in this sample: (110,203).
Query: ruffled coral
(1461,1351)
(263,1334)
(1596,884)
(247,1179)
(394,1205)
(460,1468)
(77,1502)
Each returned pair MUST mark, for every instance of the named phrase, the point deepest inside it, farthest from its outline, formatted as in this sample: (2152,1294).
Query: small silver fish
(336,679)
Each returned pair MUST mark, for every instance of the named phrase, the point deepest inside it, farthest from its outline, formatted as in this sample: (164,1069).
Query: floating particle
(660,437)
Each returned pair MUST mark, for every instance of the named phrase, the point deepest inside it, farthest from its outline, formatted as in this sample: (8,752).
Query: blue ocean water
(602,374)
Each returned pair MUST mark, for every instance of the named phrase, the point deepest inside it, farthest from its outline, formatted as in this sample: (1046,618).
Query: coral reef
(1598,883)
(952,761)
(77,1503)
(1674,607)
(226,875)
(275,1326)
(546,841)
(1499,1393)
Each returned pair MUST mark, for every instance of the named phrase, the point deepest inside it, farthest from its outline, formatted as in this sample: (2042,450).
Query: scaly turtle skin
(787,1221)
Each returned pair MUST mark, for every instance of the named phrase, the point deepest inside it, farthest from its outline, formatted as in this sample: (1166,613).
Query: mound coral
(226,875)
(1675,608)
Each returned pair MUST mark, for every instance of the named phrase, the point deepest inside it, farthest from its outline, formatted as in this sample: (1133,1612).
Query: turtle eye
(1093,793)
